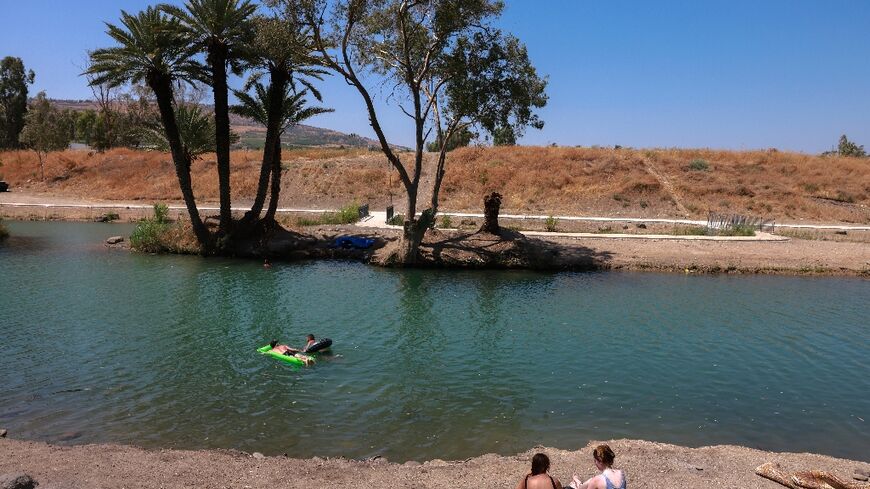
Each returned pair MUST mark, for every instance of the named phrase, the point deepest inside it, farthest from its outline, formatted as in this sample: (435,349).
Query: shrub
(737,230)
(396,220)
(446,222)
(4,233)
(161,211)
(550,224)
(690,231)
(109,217)
(348,214)
(148,236)
(699,165)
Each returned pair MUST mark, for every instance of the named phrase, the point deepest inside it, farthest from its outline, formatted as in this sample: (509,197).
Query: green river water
(102,345)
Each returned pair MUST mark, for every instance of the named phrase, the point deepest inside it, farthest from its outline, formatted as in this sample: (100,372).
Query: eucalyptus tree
(446,63)
(221,29)
(45,130)
(152,47)
(13,99)
(295,109)
(281,51)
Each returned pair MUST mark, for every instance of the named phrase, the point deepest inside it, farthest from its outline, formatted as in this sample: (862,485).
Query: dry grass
(582,181)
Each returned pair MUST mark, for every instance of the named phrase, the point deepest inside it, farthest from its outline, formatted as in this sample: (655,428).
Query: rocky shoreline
(647,465)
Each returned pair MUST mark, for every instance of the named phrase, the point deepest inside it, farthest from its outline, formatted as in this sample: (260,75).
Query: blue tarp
(348,242)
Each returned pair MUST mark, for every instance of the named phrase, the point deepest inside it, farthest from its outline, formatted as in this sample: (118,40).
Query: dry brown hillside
(580,181)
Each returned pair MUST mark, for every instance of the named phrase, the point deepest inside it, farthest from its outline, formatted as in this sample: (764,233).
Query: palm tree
(222,29)
(283,50)
(154,49)
(294,110)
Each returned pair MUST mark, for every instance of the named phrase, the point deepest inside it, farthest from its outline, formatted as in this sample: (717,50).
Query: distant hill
(253,135)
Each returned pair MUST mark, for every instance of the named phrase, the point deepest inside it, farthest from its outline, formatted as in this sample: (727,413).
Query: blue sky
(739,74)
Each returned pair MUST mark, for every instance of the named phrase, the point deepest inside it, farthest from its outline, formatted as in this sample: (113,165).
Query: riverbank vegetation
(4,233)
(450,70)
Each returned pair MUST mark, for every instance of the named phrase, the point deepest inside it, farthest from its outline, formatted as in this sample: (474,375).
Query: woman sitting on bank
(538,478)
(609,478)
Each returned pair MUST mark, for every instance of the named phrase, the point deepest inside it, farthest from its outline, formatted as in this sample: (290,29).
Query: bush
(161,211)
(699,165)
(397,220)
(4,233)
(348,214)
(737,230)
(446,222)
(149,235)
(690,231)
(550,224)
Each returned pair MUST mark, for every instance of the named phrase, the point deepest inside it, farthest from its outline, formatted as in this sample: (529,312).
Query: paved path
(377,219)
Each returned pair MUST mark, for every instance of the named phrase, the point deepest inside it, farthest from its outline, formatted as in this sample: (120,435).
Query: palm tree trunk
(277,88)
(162,87)
(218,62)
(276,183)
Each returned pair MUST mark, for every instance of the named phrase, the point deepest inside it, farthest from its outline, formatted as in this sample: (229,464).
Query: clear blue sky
(740,74)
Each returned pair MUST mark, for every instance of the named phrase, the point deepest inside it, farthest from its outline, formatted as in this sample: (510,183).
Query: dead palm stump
(491,207)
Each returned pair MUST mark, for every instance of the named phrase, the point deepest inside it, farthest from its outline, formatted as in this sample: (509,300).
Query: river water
(103,345)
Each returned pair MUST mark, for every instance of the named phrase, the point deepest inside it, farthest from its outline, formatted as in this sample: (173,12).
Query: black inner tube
(318,345)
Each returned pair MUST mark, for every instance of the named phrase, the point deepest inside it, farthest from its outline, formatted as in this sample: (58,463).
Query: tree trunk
(276,183)
(41,166)
(277,87)
(218,63)
(162,87)
(491,207)
(413,232)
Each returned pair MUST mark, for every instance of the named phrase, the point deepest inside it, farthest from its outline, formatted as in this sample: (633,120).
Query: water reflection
(160,351)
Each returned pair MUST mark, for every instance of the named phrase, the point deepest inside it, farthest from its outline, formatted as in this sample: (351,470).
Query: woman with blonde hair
(609,478)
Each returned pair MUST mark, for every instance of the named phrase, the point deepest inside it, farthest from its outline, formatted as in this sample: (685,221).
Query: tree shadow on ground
(281,243)
(508,249)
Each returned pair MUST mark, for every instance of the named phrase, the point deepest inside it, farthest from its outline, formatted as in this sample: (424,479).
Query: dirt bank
(647,465)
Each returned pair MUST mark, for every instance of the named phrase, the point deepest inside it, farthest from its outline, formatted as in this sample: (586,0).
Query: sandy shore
(647,465)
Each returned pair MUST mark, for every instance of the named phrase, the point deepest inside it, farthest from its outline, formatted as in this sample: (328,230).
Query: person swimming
(291,352)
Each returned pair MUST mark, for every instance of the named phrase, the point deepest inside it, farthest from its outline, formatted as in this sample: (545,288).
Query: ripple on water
(159,351)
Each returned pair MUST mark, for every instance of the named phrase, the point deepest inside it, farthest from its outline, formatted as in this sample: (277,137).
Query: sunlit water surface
(102,345)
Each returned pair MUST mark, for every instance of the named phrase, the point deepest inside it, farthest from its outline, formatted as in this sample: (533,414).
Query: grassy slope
(582,181)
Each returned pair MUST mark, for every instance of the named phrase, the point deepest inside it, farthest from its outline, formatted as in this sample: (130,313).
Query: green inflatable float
(321,345)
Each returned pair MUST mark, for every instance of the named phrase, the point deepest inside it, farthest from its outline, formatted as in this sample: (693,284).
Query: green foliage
(13,100)
(492,81)
(459,139)
(850,149)
(699,164)
(151,45)
(149,234)
(121,122)
(446,222)
(690,231)
(397,220)
(295,109)
(737,230)
(196,129)
(109,217)
(550,224)
(161,213)
(348,214)
(45,129)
